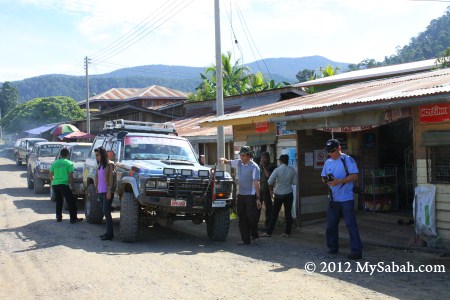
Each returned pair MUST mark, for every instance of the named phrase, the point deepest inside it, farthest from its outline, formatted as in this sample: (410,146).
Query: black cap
(246,150)
(331,145)
(284,158)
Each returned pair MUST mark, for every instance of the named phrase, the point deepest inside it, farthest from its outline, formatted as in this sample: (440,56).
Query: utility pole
(219,83)
(88,114)
(1,127)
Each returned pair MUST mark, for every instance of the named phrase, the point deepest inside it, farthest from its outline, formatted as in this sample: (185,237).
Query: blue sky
(41,37)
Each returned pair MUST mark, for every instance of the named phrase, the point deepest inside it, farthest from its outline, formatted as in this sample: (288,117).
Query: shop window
(438,164)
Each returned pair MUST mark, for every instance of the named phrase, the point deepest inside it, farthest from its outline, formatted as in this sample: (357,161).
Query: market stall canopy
(63,129)
(41,129)
(77,135)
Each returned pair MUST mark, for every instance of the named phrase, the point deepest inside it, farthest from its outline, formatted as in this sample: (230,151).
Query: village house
(397,129)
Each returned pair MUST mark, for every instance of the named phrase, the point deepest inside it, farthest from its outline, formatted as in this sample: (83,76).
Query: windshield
(31,143)
(157,148)
(79,153)
(49,150)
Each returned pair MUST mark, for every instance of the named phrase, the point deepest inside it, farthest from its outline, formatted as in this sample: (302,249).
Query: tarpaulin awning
(41,129)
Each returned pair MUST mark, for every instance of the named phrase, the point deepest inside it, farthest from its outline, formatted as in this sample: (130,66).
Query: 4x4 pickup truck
(23,150)
(38,169)
(159,179)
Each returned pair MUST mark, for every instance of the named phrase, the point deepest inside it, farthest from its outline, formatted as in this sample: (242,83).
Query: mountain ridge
(183,78)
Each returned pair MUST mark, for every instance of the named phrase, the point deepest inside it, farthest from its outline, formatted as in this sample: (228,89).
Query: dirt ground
(43,259)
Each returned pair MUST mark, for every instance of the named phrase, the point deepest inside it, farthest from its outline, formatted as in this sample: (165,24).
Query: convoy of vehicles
(158,178)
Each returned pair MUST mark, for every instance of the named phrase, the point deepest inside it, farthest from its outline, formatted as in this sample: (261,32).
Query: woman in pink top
(105,188)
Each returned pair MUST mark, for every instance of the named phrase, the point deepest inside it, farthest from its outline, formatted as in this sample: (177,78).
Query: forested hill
(181,78)
(428,44)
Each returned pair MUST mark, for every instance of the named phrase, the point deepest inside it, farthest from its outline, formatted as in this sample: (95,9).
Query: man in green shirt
(61,176)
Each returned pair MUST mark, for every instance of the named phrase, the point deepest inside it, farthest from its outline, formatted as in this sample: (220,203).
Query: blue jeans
(106,204)
(347,211)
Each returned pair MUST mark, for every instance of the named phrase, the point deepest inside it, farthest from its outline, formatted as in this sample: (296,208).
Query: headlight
(153,184)
(168,171)
(220,174)
(203,173)
(186,172)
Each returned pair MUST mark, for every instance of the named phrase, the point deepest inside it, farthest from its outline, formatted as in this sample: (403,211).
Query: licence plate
(181,203)
(219,203)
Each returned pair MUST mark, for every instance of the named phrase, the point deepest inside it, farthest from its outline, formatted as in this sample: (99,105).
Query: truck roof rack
(121,124)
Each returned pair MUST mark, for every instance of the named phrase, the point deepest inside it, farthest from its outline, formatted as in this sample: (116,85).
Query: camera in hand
(328,178)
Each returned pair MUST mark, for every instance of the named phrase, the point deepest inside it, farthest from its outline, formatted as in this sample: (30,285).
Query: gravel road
(43,259)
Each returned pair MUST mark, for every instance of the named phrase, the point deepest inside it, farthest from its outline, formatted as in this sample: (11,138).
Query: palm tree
(236,80)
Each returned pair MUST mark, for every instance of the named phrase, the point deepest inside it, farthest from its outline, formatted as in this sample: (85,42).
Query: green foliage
(41,111)
(367,63)
(429,44)
(75,86)
(443,61)
(305,75)
(9,97)
(237,80)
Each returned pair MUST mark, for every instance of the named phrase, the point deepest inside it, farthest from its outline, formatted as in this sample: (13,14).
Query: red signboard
(262,126)
(435,113)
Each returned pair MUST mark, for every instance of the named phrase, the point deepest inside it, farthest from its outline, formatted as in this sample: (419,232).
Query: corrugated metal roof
(189,127)
(424,65)
(127,94)
(156,91)
(358,94)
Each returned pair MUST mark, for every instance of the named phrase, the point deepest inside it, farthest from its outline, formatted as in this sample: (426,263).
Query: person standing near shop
(105,188)
(248,197)
(340,171)
(266,169)
(283,177)
(61,177)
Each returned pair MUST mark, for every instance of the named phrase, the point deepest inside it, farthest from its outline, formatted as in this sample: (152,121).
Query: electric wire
(234,40)
(146,32)
(249,38)
(140,26)
(160,16)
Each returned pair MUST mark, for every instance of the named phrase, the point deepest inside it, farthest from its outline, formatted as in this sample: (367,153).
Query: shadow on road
(283,254)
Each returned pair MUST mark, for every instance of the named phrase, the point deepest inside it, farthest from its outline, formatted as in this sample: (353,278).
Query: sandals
(265,235)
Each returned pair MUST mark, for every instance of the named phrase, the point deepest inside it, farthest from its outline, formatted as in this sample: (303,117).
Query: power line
(137,33)
(145,32)
(247,35)
(141,26)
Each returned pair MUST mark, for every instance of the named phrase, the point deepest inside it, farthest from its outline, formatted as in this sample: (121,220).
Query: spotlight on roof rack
(122,124)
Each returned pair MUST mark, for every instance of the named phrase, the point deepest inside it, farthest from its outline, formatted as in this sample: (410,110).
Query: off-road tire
(30,183)
(38,185)
(93,208)
(218,224)
(129,218)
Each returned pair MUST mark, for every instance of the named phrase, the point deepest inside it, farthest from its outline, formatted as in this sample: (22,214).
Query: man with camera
(339,173)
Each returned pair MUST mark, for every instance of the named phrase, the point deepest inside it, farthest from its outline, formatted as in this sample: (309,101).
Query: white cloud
(345,30)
